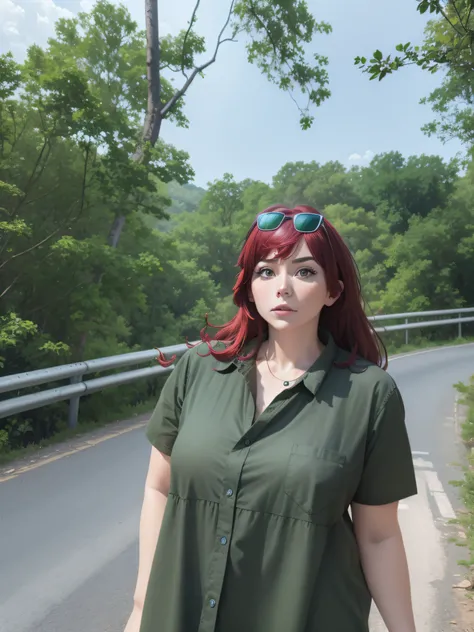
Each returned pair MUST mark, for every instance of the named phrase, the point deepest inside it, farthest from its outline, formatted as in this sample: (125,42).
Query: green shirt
(256,536)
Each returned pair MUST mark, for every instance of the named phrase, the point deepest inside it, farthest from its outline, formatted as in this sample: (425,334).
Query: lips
(282,308)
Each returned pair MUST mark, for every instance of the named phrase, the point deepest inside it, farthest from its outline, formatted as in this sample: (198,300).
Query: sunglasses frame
(284,217)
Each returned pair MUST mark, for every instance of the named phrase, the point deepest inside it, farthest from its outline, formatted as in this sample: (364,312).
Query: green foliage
(13,329)
(70,125)
(278,33)
(455,15)
(448,45)
(466,485)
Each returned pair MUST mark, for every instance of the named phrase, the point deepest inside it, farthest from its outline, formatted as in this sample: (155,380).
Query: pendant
(285,383)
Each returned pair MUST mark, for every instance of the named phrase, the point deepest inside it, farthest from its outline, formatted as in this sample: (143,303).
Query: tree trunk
(116,230)
(153,119)
(152,124)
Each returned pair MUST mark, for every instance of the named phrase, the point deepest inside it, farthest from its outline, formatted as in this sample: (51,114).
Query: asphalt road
(68,529)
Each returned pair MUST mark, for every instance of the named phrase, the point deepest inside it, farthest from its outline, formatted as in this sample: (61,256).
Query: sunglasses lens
(308,222)
(270,221)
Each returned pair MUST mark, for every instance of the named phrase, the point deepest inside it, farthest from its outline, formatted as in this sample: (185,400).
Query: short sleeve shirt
(256,534)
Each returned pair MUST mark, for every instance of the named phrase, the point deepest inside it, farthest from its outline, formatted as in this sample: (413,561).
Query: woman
(277,511)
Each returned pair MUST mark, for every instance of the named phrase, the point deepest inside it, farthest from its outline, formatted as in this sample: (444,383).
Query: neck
(297,349)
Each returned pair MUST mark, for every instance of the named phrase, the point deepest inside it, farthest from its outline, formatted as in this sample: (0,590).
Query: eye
(262,272)
(306,272)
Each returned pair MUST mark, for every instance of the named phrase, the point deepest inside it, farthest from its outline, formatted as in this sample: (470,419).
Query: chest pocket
(315,484)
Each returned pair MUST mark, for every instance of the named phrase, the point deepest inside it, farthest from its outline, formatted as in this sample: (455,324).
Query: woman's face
(290,293)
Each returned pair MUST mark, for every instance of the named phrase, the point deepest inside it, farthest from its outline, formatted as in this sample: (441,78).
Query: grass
(426,344)
(466,484)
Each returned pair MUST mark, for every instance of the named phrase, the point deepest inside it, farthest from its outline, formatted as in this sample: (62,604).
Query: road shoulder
(80,442)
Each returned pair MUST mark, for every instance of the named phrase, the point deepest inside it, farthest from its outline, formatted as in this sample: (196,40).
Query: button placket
(262,422)
(224,529)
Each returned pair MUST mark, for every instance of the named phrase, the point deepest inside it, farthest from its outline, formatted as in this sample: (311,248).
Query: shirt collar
(221,367)
(315,375)
(312,379)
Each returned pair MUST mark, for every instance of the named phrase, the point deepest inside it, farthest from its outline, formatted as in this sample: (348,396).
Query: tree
(398,188)
(448,45)
(90,86)
(277,32)
(454,49)
(433,262)
(315,184)
(223,199)
(70,135)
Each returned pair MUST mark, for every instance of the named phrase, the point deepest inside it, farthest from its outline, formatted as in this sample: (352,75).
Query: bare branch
(7,289)
(177,96)
(84,179)
(253,11)
(468,19)
(40,243)
(16,136)
(446,17)
(41,197)
(191,24)
(168,67)
(57,299)
(32,175)
(459,16)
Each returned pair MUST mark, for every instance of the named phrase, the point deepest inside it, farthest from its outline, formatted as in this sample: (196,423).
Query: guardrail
(76,372)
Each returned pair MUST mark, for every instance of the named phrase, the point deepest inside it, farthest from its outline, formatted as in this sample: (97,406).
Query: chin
(282,325)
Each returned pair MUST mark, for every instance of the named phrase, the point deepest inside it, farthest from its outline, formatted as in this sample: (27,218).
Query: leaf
(279,33)
(423,7)
(378,55)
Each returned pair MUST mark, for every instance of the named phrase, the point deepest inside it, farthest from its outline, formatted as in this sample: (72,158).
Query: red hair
(345,320)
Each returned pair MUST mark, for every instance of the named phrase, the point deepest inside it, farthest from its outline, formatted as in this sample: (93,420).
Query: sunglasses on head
(303,222)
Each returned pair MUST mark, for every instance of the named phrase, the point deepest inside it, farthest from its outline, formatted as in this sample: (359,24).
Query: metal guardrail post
(406,331)
(459,327)
(73,413)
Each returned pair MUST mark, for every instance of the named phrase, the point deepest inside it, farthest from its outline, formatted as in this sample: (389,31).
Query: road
(68,529)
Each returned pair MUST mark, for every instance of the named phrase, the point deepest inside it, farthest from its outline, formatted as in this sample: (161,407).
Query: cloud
(27,22)
(48,9)
(11,15)
(365,157)
(87,5)
(10,28)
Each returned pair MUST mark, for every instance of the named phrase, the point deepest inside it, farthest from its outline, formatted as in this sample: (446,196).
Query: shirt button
(212,603)
(229,493)
(247,442)
(223,540)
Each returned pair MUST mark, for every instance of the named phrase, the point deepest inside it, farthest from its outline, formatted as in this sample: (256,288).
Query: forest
(102,254)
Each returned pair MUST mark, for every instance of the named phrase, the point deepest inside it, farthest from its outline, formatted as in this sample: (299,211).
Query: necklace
(285,382)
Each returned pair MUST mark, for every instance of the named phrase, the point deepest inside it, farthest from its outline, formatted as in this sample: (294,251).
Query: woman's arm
(154,502)
(384,563)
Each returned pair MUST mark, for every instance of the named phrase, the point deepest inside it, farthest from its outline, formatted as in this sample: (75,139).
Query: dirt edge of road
(80,442)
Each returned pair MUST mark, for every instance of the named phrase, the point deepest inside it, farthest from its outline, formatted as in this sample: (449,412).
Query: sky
(241,124)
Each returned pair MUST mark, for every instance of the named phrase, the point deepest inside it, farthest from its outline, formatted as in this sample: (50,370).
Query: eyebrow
(299,260)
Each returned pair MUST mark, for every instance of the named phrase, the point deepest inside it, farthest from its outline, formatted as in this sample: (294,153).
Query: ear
(332,299)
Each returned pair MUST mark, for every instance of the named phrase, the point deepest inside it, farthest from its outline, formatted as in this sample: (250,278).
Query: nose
(285,286)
